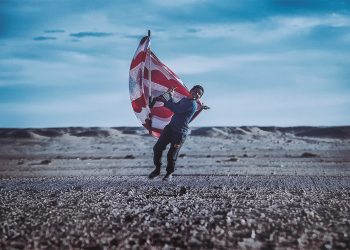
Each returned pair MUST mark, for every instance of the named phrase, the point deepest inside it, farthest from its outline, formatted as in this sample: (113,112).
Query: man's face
(196,93)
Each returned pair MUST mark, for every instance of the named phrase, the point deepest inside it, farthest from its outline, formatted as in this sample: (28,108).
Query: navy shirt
(183,112)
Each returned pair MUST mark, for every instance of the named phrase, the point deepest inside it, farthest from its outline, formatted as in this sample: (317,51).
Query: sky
(266,63)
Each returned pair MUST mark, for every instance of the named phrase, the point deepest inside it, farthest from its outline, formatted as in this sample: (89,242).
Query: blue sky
(278,62)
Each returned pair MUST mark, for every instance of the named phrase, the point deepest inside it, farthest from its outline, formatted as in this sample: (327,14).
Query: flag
(143,65)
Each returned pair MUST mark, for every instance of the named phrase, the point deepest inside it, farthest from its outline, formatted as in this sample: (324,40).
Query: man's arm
(167,96)
(179,107)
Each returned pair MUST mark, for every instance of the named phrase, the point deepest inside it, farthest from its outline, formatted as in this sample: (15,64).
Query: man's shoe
(168,177)
(154,174)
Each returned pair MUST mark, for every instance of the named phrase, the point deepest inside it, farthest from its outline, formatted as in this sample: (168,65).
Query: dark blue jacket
(183,112)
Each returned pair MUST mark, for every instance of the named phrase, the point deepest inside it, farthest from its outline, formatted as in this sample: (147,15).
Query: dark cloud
(228,11)
(91,34)
(54,31)
(43,38)
(192,30)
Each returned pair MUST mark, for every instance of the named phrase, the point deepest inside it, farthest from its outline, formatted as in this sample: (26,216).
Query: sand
(234,188)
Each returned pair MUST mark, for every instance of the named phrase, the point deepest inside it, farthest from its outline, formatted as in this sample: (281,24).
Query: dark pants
(176,140)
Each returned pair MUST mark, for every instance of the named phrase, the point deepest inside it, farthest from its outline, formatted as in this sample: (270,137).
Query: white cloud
(72,68)
(296,67)
(267,31)
(193,64)
(303,22)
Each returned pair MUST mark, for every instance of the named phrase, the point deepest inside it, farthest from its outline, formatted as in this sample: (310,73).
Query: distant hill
(336,132)
(341,132)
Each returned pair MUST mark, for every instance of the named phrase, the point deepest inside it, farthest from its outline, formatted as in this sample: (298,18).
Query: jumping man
(176,131)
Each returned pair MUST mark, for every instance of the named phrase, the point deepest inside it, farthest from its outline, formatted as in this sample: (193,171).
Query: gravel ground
(197,212)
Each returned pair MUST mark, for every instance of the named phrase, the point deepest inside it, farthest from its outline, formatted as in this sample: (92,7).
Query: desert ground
(242,187)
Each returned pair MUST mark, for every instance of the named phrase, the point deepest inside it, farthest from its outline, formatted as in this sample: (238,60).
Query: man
(176,131)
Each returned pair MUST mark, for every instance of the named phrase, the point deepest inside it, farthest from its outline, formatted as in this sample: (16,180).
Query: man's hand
(160,99)
(171,92)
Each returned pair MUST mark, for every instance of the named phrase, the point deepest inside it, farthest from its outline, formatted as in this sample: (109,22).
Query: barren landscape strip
(59,157)
(305,183)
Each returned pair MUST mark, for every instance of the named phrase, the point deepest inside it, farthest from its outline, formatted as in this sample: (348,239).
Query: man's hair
(198,87)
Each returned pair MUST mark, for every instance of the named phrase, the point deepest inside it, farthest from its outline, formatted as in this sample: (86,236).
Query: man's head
(197,92)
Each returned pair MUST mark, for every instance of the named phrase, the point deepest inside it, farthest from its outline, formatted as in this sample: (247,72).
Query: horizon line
(214,126)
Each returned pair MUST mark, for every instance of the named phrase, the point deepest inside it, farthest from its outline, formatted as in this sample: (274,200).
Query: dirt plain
(234,188)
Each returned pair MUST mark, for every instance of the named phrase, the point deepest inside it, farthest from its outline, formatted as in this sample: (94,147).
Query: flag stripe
(140,57)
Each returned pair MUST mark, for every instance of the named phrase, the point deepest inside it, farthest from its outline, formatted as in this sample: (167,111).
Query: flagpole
(149,82)
(149,67)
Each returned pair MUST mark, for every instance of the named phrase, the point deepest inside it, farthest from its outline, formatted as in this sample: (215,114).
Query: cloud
(91,34)
(332,20)
(44,38)
(306,7)
(177,3)
(274,107)
(54,31)
(192,30)
(272,29)
(69,69)
(303,71)
(312,59)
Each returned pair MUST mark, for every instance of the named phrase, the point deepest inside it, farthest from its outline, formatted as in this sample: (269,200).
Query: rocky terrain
(234,188)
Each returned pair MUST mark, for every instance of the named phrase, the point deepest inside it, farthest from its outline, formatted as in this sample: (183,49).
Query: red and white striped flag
(141,88)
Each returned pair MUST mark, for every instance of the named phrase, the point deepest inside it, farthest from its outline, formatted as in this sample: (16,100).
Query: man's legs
(158,149)
(176,144)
